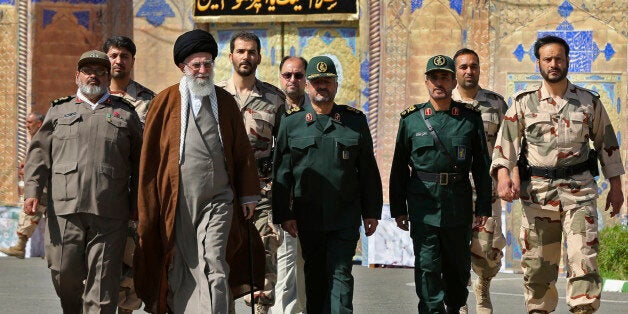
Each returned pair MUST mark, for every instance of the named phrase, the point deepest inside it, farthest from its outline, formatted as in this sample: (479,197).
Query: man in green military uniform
(438,143)
(325,167)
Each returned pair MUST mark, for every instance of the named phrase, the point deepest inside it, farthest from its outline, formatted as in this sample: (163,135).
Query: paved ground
(25,287)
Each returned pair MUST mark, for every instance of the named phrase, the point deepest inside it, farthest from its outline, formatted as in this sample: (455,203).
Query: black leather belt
(559,172)
(443,178)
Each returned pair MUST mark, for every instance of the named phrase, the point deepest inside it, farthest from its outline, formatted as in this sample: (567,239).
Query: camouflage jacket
(261,111)
(492,107)
(139,96)
(557,135)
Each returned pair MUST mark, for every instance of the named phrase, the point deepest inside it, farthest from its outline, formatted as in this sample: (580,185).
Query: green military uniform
(436,193)
(324,165)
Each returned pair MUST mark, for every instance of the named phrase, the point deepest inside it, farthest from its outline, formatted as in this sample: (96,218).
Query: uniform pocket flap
(459,141)
(533,118)
(490,117)
(118,122)
(264,116)
(422,141)
(347,142)
(110,171)
(65,167)
(302,143)
(69,120)
(576,116)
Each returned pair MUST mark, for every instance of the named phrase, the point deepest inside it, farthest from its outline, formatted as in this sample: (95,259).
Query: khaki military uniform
(139,96)
(262,111)
(487,242)
(558,134)
(91,157)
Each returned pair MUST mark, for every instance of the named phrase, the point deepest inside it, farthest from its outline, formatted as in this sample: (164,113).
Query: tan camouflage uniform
(558,134)
(262,111)
(487,242)
(140,97)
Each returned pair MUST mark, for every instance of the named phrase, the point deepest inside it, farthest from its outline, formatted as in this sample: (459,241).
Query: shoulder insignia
(351,109)
(592,92)
(60,100)
(293,110)
(408,111)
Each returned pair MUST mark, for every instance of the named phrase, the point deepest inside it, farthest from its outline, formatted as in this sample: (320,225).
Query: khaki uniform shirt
(91,157)
(139,96)
(557,135)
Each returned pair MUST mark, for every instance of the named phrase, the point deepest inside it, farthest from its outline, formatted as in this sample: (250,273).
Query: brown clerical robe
(158,197)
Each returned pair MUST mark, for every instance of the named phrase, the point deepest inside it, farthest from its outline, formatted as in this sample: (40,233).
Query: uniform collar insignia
(309,117)
(337,117)
(455,111)
(428,111)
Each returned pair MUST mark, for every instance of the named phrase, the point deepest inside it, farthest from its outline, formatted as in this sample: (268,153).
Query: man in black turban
(198,185)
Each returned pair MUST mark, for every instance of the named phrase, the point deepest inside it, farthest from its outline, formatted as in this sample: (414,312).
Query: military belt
(443,178)
(559,172)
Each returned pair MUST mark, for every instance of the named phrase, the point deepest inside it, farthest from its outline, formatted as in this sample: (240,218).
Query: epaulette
(293,110)
(492,93)
(520,93)
(274,89)
(408,111)
(592,92)
(60,100)
(124,100)
(354,110)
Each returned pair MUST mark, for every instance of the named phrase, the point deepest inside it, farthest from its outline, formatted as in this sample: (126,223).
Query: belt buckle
(443,178)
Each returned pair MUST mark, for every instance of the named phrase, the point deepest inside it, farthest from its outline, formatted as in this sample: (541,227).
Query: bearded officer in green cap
(438,143)
(325,167)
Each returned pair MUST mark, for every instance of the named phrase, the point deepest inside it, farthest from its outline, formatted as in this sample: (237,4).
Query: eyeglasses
(208,64)
(288,75)
(90,71)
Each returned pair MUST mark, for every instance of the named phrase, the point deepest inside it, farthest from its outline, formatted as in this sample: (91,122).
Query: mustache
(246,63)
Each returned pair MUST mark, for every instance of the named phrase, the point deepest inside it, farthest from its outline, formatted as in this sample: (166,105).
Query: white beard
(199,87)
(91,90)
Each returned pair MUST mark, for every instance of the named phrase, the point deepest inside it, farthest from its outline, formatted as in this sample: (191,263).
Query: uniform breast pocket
(421,143)
(538,127)
(116,128)
(461,147)
(347,150)
(64,182)
(67,127)
(578,129)
(300,148)
(491,124)
(260,129)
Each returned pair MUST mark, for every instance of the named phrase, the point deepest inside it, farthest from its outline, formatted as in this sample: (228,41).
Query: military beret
(320,66)
(192,42)
(94,57)
(440,62)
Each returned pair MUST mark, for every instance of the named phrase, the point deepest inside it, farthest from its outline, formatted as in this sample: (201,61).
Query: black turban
(193,42)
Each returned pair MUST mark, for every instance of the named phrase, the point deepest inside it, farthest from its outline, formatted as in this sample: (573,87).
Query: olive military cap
(320,66)
(440,62)
(94,57)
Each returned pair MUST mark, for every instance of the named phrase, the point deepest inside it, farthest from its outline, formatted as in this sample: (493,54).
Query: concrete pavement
(25,287)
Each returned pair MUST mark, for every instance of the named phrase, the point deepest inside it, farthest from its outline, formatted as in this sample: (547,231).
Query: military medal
(308,117)
(345,154)
(462,153)
(428,111)
(455,111)
(337,116)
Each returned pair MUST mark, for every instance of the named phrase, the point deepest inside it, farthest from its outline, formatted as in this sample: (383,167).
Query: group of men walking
(154,194)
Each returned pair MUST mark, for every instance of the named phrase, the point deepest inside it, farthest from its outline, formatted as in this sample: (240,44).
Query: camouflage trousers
(540,241)
(263,218)
(487,243)
(27,224)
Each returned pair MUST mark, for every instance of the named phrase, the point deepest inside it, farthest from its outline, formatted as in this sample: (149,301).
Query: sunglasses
(288,75)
